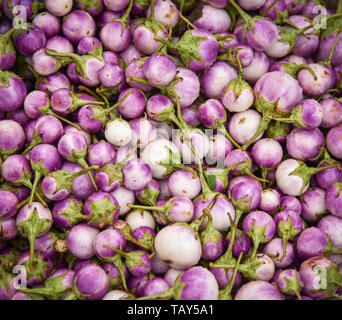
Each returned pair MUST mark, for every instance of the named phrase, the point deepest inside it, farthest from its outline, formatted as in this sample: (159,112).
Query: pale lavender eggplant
(101,153)
(80,241)
(8,204)
(267,153)
(48,23)
(290,282)
(111,75)
(53,82)
(159,69)
(305,143)
(291,203)
(12,91)
(258,290)
(29,42)
(332,113)
(270,200)
(12,137)
(334,142)
(313,205)
(275,248)
(134,105)
(77,25)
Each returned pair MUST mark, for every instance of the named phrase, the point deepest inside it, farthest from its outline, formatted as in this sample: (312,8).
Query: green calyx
(90,4)
(305,172)
(293,286)
(134,259)
(145,243)
(7,45)
(330,279)
(277,129)
(149,197)
(330,249)
(39,267)
(210,234)
(287,230)
(113,172)
(102,212)
(241,204)
(5,77)
(220,174)
(53,288)
(293,69)
(9,260)
(143,3)
(258,235)
(31,228)
(73,213)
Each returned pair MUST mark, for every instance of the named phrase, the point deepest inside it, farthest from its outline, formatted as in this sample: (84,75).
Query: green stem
(84,164)
(224,130)
(327,62)
(269,8)
(50,112)
(112,108)
(37,177)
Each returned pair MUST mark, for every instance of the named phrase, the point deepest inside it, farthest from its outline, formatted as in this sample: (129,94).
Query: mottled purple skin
(139,233)
(12,136)
(115,36)
(48,23)
(312,113)
(72,142)
(130,53)
(36,280)
(247,191)
(29,127)
(54,82)
(77,25)
(98,197)
(114,274)
(216,78)
(188,89)
(245,54)
(104,184)
(325,179)
(310,243)
(242,244)
(224,45)
(304,143)
(87,45)
(59,44)
(58,209)
(87,119)
(291,203)
(144,40)
(72,74)
(235,156)
(314,88)
(159,69)
(48,155)
(333,200)
(101,153)
(325,48)
(134,105)
(27,4)
(92,282)
(267,153)
(258,67)
(136,174)
(8,229)
(244,178)
(109,237)
(143,132)
(310,272)
(260,219)
(210,112)
(275,247)
(155,286)
(258,290)
(288,274)
(270,200)
(135,69)
(289,216)
(45,64)
(272,13)
(82,186)
(208,50)
(19,116)
(165,12)
(200,284)
(304,47)
(263,36)
(213,19)
(111,57)
(111,75)
(61,101)
(49,128)
(144,267)
(183,183)
(46,245)
(156,104)
(13,95)
(28,43)
(334,142)
(332,113)
(137,285)
(219,212)
(313,204)
(223,277)
(331,225)
(107,15)
(80,241)
(280,87)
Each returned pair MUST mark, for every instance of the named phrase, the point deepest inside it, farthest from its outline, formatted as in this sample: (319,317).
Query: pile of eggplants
(170,149)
